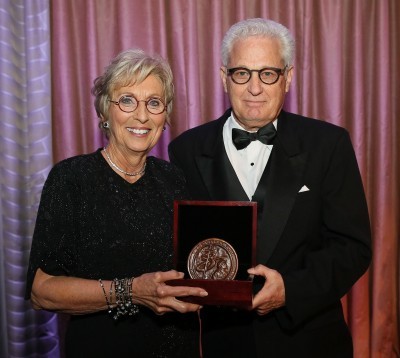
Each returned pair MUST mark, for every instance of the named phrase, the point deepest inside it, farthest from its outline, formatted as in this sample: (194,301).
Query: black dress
(93,224)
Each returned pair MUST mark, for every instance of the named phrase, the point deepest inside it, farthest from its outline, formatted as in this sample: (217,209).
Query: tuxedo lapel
(219,176)
(215,168)
(281,186)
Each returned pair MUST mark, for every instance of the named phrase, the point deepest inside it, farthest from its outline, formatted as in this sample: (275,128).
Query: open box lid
(232,221)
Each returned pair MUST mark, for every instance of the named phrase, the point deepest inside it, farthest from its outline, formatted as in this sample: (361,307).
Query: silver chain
(140,172)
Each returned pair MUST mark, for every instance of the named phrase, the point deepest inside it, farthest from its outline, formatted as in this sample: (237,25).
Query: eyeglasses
(267,75)
(129,103)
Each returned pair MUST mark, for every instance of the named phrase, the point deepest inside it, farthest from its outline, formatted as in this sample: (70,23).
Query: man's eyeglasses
(129,103)
(267,75)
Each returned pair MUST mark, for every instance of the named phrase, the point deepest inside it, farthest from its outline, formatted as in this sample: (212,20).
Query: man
(313,240)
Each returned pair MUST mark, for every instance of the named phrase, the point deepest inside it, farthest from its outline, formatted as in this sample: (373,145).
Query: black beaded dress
(93,224)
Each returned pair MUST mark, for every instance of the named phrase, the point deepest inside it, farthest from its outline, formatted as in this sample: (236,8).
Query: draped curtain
(346,73)
(25,159)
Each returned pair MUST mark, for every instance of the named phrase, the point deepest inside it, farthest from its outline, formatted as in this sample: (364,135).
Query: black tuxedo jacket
(313,226)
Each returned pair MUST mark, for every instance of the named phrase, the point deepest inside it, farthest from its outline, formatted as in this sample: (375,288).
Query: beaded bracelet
(105,295)
(123,298)
(110,308)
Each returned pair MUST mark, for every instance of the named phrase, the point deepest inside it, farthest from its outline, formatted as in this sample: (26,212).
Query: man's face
(255,103)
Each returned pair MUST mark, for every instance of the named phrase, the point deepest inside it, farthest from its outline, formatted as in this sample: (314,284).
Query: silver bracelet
(123,298)
(109,306)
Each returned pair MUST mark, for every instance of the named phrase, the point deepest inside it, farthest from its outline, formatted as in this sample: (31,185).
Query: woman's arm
(79,296)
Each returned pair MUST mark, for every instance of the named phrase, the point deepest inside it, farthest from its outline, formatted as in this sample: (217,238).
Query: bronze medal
(212,259)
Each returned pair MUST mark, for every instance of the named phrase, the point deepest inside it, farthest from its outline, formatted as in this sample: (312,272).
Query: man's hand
(272,295)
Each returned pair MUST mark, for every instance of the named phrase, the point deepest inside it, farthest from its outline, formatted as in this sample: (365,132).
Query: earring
(164,128)
(106,125)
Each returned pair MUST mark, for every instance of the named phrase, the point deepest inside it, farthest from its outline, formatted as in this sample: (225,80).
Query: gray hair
(259,27)
(130,67)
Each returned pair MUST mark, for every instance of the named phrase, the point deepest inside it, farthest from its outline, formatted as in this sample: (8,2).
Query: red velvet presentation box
(232,221)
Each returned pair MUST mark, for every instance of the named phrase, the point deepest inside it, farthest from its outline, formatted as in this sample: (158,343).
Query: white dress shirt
(249,163)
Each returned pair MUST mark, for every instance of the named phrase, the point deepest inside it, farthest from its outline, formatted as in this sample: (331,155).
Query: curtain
(25,159)
(346,73)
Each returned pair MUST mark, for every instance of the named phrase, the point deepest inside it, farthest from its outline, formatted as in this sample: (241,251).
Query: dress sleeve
(52,244)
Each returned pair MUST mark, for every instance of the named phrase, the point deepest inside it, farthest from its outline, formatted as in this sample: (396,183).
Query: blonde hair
(127,68)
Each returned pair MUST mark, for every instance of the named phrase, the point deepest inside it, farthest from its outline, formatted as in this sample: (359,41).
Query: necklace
(140,172)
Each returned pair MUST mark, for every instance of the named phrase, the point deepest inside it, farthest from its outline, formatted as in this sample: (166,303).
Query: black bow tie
(241,139)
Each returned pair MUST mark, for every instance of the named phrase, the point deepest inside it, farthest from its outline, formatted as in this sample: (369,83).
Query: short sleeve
(52,248)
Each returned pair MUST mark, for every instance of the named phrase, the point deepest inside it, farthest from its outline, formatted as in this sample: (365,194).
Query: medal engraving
(212,259)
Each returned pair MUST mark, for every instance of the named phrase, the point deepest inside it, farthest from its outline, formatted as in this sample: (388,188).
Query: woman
(102,245)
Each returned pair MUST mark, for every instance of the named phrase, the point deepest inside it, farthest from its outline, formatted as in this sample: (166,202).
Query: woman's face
(140,130)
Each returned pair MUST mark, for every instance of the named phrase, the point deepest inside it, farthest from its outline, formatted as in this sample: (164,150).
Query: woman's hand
(150,290)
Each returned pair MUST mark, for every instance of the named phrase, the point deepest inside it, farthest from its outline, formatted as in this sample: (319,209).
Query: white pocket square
(303,189)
